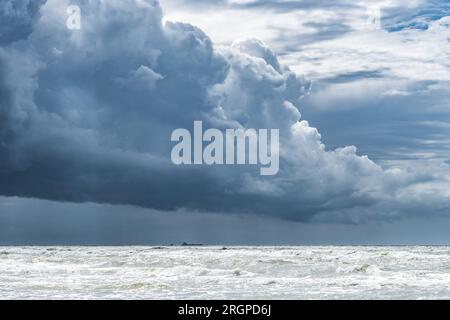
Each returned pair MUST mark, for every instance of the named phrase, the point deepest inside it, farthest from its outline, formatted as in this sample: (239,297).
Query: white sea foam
(235,273)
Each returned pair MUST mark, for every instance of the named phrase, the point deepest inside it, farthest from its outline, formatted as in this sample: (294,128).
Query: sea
(207,272)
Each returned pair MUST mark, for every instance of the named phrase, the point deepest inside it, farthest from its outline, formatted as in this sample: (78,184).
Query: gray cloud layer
(87,115)
(41,222)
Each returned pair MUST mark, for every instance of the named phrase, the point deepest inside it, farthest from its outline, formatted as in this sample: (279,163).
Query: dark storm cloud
(87,115)
(18,18)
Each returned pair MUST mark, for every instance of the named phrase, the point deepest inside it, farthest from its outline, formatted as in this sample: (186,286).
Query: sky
(363,111)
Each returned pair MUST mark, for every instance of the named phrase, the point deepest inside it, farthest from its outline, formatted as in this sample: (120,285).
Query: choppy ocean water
(218,273)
